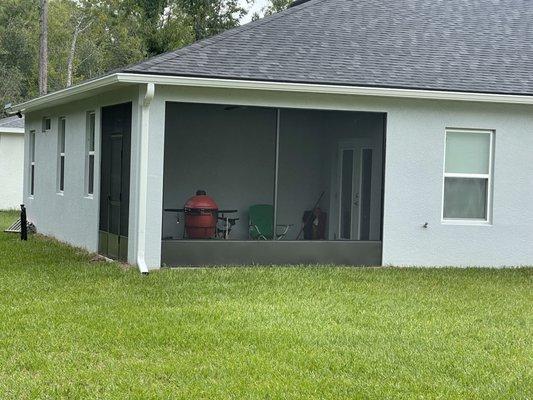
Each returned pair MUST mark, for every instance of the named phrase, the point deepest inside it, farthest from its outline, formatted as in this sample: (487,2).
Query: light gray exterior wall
(414,172)
(413,196)
(72,216)
(413,177)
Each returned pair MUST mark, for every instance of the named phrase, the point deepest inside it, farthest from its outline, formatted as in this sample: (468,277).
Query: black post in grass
(23,223)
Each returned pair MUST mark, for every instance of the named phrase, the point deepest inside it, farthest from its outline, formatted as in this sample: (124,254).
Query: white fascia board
(68,94)
(84,89)
(324,89)
(11,130)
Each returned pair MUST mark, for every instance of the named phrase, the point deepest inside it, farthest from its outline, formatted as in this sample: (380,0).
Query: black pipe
(23,223)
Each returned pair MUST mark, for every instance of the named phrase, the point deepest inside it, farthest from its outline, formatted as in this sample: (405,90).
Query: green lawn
(72,328)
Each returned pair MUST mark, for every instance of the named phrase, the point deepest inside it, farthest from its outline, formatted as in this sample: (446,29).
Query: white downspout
(143,177)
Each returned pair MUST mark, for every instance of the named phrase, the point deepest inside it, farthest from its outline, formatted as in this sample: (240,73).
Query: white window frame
(61,153)
(31,158)
(488,176)
(90,153)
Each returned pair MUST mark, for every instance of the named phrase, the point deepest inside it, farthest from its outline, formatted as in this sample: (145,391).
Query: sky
(258,4)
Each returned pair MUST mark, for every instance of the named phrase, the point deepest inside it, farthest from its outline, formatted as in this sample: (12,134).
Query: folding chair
(261,226)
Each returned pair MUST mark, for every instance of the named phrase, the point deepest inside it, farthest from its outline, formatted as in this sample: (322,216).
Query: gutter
(11,130)
(324,89)
(145,103)
(121,78)
(62,95)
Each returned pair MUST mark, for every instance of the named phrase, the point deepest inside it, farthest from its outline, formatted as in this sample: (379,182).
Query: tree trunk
(197,29)
(43,48)
(70,61)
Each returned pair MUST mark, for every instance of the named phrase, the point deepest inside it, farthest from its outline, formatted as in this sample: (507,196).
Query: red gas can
(201,213)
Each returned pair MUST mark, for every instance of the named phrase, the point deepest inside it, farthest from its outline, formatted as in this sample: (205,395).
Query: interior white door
(355,173)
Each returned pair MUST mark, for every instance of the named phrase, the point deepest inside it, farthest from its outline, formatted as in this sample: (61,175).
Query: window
(90,146)
(47,124)
(61,155)
(468,175)
(32,163)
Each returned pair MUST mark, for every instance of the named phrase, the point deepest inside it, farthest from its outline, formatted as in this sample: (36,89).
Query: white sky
(258,4)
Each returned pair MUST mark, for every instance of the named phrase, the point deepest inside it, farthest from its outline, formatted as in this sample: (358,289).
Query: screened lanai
(285,186)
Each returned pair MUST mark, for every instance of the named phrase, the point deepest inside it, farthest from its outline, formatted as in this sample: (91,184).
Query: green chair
(261,225)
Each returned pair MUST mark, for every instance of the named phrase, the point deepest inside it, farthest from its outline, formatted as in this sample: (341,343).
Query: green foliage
(112,34)
(10,85)
(209,17)
(72,328)
(273,7)
(111,41)
(19,39)
(277,6)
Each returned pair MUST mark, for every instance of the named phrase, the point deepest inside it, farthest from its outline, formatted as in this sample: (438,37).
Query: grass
(76,329)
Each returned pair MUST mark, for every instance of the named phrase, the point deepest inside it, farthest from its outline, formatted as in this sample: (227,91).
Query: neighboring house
(11,162)
(414,118)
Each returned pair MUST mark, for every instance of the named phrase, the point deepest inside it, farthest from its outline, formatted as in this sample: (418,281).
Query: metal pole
(23,223)
(276,173)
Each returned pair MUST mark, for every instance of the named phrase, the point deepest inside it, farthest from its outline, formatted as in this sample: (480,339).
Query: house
(411,121)
(11,162)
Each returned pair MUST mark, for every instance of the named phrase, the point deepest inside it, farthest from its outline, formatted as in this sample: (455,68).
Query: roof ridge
(227,34)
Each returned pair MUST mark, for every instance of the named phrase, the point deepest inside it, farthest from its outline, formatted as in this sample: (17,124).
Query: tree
(88,38)
(19,47)
(209,17)
(43,47)
(10,86)
(81,24)
(153,14)
(277,6)
(273,7)
(46,45)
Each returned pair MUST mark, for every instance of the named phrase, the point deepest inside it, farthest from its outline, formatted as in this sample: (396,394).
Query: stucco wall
(413,177)
(11,170)
(413,196)
(414,172)
(71,216)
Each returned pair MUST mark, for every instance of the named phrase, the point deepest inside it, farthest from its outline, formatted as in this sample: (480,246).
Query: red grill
(201,213)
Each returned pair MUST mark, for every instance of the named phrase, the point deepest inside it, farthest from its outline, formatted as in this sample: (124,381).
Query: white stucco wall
(413,178)
(11,169)
(72,216)
(414,172)
(413,196)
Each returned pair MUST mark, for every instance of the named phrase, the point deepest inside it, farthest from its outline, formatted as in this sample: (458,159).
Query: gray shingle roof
(12,122)
(459,45)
